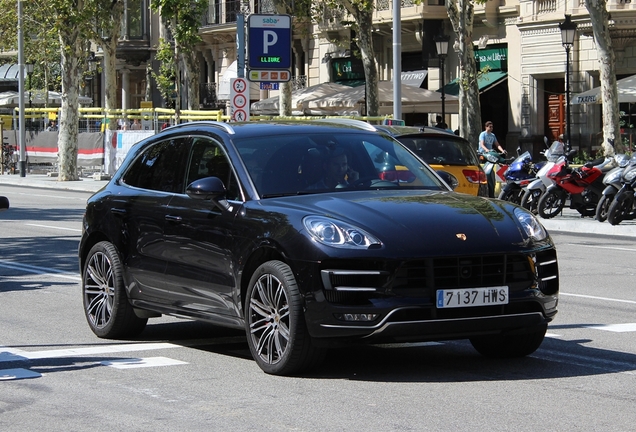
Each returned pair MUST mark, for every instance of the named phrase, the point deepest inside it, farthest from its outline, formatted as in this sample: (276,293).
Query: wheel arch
(258,257)
(88,244)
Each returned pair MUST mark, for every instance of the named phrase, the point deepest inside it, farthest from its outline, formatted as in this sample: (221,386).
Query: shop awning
(626,93)
(486,81)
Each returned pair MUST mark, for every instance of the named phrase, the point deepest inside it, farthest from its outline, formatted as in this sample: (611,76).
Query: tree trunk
(192,72)
(461,14)
(71,49)
(284,99)
(110,78)
(607,69)
(364,18)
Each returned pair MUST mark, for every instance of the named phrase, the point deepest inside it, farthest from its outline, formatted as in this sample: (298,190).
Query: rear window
(441,150)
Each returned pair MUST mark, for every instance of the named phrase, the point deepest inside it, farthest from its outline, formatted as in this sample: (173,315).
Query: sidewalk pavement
(568,221)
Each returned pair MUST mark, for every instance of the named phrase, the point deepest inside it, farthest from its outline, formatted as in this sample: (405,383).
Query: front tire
(530,199)
(510,345)
(551,203)
(276,331)
(511,195)
(106,306)
(620,209)
(602,208)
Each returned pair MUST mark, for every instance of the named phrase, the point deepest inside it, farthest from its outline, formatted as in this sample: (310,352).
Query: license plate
(469,297)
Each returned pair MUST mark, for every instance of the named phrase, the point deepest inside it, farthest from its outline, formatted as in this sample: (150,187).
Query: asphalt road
(180,375)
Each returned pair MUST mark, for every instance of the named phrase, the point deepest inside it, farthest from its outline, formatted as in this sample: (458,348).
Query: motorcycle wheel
(530,199)
(550,204)
(620,210)
(602,208)
(511,195)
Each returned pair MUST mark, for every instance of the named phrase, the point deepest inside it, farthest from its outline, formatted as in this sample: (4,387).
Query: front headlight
(629,175)
(335,233)
(531,226)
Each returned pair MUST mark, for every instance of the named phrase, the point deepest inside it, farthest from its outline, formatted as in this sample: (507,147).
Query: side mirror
(4,203)
(209,188)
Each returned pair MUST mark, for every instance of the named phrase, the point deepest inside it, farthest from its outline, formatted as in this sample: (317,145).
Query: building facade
(519,40)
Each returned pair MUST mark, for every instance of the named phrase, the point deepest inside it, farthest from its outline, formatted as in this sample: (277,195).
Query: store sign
(495,58)
(346,69)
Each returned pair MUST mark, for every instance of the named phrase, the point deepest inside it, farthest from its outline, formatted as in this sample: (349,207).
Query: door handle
(171,218)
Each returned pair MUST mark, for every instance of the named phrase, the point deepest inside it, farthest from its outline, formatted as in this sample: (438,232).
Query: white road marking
(618,328)
(54,227)
(39,270)
(15,374)
(598,298)
(12,354)
(552,335)
(605,247)
(133,363)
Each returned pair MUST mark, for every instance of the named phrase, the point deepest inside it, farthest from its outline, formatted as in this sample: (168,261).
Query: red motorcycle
(582,186)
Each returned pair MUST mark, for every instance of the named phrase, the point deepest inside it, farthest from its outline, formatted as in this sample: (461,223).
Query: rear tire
(275,324)
(510,345)
(551,203)
(106,306)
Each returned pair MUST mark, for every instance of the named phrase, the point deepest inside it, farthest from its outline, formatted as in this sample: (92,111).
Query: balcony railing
(224,12)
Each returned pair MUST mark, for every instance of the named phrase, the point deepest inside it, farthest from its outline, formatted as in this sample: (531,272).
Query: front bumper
(401,301)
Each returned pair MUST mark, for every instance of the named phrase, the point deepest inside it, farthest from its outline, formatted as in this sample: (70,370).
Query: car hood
(436,222)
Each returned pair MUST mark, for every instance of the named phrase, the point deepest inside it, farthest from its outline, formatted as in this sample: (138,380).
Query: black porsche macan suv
(242,226)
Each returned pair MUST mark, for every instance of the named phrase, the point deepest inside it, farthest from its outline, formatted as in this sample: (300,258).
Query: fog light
(356,317)
(551,304)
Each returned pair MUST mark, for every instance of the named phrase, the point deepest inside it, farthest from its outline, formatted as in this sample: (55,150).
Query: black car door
(146,189)
(198,238)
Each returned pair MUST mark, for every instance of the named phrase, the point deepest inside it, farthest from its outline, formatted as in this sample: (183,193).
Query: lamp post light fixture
(568,33)
(441,43)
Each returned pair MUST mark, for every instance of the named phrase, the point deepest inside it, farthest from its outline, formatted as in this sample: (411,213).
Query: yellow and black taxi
(452,156)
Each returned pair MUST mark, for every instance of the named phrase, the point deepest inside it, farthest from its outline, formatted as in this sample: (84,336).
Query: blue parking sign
(269,44)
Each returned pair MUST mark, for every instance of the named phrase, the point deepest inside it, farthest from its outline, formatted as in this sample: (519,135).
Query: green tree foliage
(183,18)
(166,76)
(362,13)
(41,42)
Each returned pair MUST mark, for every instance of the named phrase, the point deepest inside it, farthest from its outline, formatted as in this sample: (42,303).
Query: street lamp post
(441,43)
(568,32)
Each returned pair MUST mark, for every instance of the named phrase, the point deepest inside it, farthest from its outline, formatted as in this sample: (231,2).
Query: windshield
(556,149)
(291,164)
(524,157)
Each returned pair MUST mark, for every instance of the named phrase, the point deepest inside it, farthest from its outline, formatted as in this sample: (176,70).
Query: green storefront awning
(485,82)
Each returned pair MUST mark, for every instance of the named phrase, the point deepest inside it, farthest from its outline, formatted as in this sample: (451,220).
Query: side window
(160,167)
(207,159)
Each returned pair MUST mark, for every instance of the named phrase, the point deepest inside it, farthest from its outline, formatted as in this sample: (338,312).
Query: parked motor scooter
(582,186)
(612,182)
(493,162)
(518,175)
(535,188)
(623,206)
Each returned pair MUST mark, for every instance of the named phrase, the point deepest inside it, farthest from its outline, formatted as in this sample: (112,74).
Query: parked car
(452,156)
(229,223)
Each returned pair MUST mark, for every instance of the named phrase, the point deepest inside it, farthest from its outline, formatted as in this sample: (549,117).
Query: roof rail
(221,125)
(350,122)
